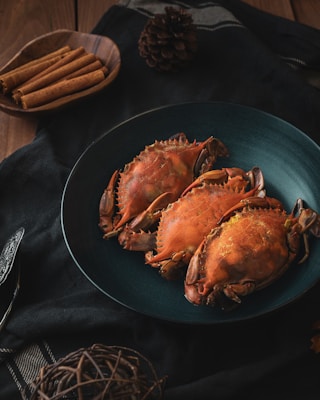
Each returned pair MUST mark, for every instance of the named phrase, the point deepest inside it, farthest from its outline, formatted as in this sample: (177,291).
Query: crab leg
(234,290)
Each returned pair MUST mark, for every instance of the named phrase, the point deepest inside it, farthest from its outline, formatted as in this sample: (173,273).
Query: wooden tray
(103,47)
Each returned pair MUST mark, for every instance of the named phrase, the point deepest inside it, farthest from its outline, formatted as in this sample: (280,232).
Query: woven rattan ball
(98,372)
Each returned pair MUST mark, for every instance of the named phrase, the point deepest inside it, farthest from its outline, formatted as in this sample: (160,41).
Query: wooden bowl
(101,46)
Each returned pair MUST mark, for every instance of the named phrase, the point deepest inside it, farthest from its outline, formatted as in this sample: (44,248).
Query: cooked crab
(252,246)
(184,223)
(153,179)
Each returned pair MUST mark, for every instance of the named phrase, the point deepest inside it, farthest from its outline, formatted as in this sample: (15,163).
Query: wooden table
(24,20)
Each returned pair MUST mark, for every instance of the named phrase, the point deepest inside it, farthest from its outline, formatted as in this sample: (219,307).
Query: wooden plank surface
(23,20)
(304,11)
(87,17)
(307,12)
(281,8)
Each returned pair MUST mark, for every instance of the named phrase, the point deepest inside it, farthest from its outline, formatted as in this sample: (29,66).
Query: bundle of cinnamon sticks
(55,75)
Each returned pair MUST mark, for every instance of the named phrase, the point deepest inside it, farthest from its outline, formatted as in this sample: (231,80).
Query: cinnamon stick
(11,80)
(95,65)
(65,59)
(56,53)
(61,89)
(53,76)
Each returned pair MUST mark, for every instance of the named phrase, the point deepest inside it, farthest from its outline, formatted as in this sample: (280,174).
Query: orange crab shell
(165,166)
(246,253)
(187,221)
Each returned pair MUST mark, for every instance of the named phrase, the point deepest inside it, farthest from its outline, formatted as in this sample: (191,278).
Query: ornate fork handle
(7,263)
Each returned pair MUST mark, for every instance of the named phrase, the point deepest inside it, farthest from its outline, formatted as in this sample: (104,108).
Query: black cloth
(245,56)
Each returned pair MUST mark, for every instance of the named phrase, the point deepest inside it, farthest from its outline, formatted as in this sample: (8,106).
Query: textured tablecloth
(244,56)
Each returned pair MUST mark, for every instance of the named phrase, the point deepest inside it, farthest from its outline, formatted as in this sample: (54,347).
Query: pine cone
(168,41)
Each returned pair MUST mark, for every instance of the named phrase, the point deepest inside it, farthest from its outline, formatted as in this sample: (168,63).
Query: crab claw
(308,218)
(107,205)
(152,214)
(235,177)
(254,201)
(191,292)
(171,269)
(309,221)
(136,241)
(215,176)
(256,178)
(213,148)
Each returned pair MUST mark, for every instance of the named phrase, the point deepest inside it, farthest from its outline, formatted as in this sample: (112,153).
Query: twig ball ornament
(168,41)
(96,373)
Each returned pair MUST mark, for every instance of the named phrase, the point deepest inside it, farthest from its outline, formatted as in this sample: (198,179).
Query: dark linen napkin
(245,56)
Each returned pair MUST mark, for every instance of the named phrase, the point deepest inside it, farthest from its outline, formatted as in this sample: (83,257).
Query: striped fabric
(207,15)
(22,372)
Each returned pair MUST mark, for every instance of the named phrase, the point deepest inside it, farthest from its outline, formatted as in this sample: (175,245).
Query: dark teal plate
(291,165)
